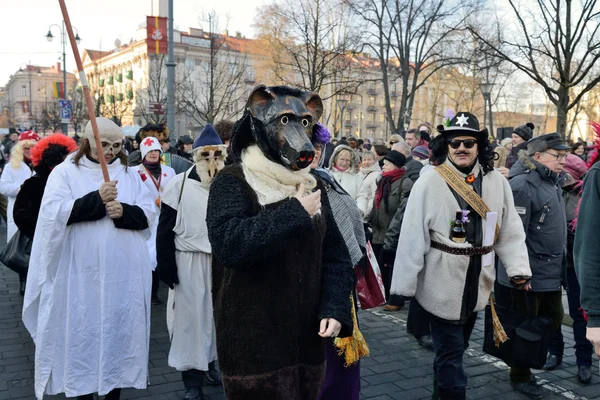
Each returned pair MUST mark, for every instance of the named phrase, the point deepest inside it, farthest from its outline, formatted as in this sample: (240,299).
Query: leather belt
(459,251)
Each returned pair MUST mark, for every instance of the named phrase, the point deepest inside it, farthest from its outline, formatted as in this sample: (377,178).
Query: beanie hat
(525,131)
(148,144)
(29,135)
(421,152)
(575,167)
(208,137)
(396,158)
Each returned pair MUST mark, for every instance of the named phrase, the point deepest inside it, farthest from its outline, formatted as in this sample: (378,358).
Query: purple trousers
(340,383)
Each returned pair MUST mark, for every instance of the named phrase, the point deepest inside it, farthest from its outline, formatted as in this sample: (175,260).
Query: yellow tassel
(353,347)
(500,335)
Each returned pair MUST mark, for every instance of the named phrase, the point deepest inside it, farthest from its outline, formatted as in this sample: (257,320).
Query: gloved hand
(387,257)
(168,276)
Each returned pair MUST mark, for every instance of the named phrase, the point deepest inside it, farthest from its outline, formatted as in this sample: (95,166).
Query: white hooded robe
(87,302)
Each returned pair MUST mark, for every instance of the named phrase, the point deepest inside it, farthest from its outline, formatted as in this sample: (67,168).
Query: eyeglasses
(557,156)
(468,143)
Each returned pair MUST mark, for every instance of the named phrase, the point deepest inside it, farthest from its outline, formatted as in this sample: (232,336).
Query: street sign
(65,104)
(65,115)
(155,108)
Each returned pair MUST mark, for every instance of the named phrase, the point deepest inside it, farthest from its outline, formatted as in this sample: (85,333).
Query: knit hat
(525,131)
(208,137)
(149,144)
(29,135)
(396,158)
(575,167)
(420,152)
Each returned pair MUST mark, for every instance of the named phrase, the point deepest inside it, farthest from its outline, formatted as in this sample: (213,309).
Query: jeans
(583,348)
(386,276)
(545,304)
(450,342)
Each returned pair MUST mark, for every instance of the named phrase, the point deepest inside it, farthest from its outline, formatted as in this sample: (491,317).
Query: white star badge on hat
(462,120)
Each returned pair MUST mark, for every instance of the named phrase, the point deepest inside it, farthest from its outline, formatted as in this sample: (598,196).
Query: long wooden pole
(86,89)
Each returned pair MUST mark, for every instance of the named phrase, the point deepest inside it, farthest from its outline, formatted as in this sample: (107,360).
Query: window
(382,102)
(372,85)
(372,100)
(371,117)
(382,117)
(23,90)
(348,117)
(43,91)
(370,133)
(393,103)
(190,64)
(358,100)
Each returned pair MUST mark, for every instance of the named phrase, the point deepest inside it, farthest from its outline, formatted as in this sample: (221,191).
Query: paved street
(398,367)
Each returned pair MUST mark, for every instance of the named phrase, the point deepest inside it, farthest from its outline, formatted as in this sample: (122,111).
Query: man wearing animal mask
(184,264)
(282,275)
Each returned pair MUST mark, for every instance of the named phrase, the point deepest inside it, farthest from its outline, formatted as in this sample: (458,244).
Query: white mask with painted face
(111,136)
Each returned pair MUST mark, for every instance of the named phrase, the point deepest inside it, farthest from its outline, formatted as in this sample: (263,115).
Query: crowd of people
(271,208)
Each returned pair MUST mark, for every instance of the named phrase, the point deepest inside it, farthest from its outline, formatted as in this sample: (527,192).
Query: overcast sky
(25,24)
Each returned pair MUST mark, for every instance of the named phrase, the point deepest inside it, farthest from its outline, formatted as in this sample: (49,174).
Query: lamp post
(29,68)
(341,103)
(486,90)
(63,39)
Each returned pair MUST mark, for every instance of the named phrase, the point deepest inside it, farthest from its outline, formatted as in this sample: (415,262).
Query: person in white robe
(184,264)
(87,302)
(15,173)
(155,176)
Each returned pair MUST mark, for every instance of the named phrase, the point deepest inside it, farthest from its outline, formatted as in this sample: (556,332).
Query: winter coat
(370,176)
(27,204)
(538,200)
(413,168)
(513,157)
(502,153)
(276,273)
(381,217)
(435,278)
(571,197)
(351,181)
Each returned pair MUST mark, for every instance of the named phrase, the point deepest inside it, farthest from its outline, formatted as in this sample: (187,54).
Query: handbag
(369,284)
(16,253)
(528,336)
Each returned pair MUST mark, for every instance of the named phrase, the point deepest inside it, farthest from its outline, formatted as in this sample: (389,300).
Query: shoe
(156,301)
(530,389)
(425,341)
(584,374)
(552,362)
(22,288)
(212,376)
(389,307)
(193,393)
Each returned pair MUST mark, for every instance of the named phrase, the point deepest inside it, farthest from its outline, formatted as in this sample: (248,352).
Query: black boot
(193,393)
(213,376)
(22,288)
(584,374)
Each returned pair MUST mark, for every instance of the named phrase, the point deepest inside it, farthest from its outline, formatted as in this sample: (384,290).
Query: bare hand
(522,285)
(114,209)
(593,335)
(330,327)
(108,191)
(504,171)
(311,202)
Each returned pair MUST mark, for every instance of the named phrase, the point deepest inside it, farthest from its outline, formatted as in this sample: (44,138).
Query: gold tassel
(353,347)
(500,335)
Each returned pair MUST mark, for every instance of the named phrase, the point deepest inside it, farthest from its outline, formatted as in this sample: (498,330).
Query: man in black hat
(446,219)
(536,185)
(184,147)
(520,136)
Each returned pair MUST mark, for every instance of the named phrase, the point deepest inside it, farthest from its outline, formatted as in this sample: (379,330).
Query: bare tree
(79,113)
(50,118)
(563,32)
(153,91)
(214,88)
(413,39)
(312,45)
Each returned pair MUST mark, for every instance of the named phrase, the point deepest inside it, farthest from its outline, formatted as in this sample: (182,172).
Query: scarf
(154,168)
(385,184)
(273,182)
(341,170)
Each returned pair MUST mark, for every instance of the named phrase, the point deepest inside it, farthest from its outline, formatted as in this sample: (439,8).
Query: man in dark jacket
(536,185)
(520,136)
(413,167)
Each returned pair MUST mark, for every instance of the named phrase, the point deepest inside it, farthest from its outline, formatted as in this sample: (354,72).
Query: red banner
(156,35)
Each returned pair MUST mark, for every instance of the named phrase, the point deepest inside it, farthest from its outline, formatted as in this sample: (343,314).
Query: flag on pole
(156,39)
(59,90)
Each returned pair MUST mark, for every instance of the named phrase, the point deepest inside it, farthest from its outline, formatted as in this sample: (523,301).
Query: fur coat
(370,176)
(435,278)
(276,273)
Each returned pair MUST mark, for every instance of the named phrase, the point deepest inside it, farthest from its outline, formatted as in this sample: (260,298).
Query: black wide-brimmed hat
(463,123)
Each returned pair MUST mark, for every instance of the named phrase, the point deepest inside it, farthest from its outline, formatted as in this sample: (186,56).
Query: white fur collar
(272,182)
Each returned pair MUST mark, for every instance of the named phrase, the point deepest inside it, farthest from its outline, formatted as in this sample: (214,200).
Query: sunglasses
(468,143)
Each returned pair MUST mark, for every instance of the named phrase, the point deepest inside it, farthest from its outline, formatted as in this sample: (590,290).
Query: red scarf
(385,183)
(339,169)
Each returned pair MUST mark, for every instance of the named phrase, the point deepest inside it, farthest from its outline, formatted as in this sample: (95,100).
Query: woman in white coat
(17,171)
(342,165)
(155,176)
(370,171)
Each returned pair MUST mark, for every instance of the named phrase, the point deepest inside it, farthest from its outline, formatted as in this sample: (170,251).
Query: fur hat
(158,131)
(208,137)
(51,150)
(149,144)
(420,152)
(525,131)
(396,158)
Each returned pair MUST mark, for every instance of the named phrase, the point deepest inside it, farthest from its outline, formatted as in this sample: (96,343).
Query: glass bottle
(458,233)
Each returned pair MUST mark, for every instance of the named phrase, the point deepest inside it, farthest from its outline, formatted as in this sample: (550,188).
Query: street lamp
(63,37)
(486,90)
(341,103)
(29,68)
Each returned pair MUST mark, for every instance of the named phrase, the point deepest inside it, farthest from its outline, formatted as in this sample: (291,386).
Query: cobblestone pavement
(398,367)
